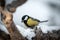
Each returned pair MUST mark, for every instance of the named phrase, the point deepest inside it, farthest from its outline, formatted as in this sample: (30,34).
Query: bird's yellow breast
(32,22)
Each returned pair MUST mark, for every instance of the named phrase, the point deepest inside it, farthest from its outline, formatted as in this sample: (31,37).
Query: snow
(3,28)
(46,28)
(28,33)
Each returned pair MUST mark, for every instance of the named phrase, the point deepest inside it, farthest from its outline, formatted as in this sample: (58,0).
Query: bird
(31,22)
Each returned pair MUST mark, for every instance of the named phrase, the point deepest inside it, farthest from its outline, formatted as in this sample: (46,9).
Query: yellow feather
(32,22)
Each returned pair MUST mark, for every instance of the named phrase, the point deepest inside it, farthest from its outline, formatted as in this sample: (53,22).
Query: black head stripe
(24,17)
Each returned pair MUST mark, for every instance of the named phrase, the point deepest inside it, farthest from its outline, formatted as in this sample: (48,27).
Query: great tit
(31,22)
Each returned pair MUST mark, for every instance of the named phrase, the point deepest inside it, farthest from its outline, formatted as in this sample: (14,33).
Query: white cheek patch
(26,18)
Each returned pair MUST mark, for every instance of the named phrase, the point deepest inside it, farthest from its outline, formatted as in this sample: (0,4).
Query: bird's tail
(43,21)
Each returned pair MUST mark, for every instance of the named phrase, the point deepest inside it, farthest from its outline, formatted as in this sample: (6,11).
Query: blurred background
(41,10)
(38,9)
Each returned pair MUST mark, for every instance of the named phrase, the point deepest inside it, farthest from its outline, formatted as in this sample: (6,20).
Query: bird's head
(25,18)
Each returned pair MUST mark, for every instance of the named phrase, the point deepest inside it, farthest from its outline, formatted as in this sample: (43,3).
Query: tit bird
(31,22)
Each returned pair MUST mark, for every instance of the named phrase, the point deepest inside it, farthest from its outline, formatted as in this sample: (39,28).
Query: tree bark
(7,19)
(12,6)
